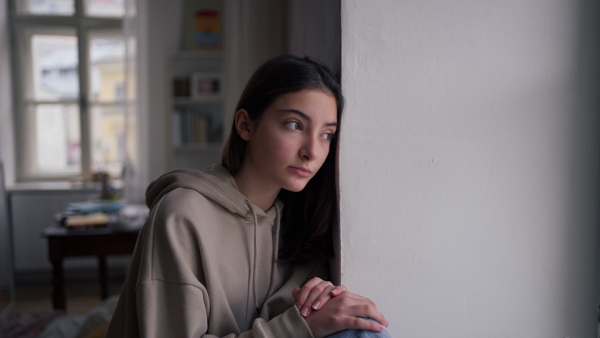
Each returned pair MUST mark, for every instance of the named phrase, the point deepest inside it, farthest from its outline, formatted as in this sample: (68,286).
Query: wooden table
(99,242)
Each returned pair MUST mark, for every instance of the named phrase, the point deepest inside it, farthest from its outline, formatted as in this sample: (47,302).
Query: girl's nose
(308,149)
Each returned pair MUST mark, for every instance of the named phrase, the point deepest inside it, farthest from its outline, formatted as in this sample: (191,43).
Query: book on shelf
(190,127)
(181,87)
(176,128)
(201,124)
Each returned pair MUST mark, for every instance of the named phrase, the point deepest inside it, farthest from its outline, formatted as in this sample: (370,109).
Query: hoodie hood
(216,183)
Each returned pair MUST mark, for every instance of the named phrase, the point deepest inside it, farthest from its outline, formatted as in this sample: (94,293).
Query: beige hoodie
(205,265)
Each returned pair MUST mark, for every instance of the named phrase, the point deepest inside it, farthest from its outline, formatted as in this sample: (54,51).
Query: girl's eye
(328,136)
(293,125)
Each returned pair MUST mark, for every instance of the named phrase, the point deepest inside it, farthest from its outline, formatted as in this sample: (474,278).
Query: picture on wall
(206,85)
(203,25)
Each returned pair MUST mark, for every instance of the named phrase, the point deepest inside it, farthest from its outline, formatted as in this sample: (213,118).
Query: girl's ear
(243,124)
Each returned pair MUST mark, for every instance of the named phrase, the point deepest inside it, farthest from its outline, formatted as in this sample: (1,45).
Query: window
(72,92)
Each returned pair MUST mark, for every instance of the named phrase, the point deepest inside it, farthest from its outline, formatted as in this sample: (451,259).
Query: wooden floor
(82,296)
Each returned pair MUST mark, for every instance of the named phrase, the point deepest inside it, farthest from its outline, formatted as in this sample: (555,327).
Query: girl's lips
(301,171)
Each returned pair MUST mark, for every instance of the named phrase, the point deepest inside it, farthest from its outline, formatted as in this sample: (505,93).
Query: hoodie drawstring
(254,258)
(275,238)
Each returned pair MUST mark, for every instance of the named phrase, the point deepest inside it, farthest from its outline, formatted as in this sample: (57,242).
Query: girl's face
(289,143)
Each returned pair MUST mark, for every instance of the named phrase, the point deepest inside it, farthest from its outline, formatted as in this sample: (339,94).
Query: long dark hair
(308,215)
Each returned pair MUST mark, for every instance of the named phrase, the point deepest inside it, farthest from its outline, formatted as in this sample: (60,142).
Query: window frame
(84,27)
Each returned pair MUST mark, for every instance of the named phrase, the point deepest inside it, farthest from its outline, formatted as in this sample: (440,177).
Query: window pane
(47,7)
(108,138)
(54,67)
(107,68)
(130,68)
(106,8)
(57,138)
(131,124)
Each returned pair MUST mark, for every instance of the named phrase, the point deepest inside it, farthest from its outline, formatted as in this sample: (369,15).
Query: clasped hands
(327,309)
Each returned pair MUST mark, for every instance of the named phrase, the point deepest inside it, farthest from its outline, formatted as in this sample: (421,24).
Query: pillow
(97,320)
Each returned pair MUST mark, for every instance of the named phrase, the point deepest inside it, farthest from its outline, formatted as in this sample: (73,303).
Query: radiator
(32,212)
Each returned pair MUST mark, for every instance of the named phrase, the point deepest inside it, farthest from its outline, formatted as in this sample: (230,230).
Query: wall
(314,30)
(6,120)
(6,256)
(255,33)
(469,165)
(6,151)
(158,43)
(258,32)
(33,211)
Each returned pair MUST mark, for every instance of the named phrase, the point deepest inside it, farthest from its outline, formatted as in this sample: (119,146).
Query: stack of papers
(92,220)
(96,206)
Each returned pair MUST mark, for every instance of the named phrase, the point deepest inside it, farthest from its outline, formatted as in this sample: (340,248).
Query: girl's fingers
(314,294)
(319,299)
(379,318)
(312,301)
(322,288)
(364,324)
(368,310)
(337,290)
(295,292)
(346,311)
(302,294)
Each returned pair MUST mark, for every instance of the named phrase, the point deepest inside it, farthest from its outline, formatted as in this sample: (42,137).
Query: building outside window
(73,94)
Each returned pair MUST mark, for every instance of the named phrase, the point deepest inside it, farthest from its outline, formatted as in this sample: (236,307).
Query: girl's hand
(314,294)
(344,311)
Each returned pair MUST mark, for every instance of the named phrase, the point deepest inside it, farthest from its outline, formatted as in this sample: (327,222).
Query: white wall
(469,165)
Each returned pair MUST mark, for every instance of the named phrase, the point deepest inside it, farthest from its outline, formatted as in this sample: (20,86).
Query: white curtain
(135,171)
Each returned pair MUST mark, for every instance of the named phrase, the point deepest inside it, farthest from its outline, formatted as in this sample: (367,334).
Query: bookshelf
(197,93)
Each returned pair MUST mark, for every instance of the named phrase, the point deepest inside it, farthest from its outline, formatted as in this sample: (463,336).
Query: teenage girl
(241,249)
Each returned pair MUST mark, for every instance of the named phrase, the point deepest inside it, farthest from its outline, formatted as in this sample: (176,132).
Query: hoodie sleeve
(169,310)
(288,324)
(179,311)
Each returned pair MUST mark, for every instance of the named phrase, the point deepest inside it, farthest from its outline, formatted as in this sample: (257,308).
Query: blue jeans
(360,334)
